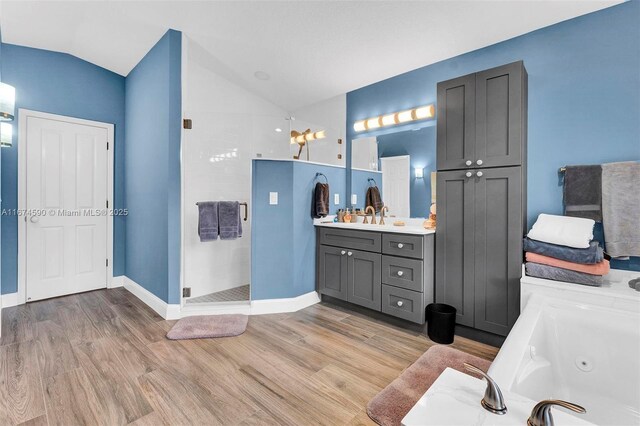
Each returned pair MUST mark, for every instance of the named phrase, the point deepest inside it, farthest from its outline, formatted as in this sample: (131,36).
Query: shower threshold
(236,294)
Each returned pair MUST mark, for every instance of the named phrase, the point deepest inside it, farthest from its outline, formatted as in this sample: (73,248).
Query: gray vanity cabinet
(363,282)
(332,271)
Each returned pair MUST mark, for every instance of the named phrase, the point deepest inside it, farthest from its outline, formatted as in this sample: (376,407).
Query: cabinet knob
(400,273)
(349,254)
(400,245)
(343,252)
(479,162)
(468,162)
(479,174)
(400,303)
(468,174)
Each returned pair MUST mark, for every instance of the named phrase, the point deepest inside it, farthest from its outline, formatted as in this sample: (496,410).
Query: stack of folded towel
(561,248)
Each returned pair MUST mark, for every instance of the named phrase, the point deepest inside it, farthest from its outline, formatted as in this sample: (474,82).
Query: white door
(395,184)
(66,193)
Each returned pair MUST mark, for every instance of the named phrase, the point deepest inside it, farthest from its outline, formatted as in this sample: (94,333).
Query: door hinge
(187,123)
(107,263)
(107,203)
(186,292)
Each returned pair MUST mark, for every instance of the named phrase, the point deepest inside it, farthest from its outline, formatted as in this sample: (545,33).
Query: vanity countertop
(412,226)
(454,399)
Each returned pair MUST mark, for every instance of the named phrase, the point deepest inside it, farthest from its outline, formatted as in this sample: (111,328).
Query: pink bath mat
(208,326)
(389,407)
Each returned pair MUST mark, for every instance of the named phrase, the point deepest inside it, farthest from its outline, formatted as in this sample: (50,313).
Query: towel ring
(322,174)
(372,180)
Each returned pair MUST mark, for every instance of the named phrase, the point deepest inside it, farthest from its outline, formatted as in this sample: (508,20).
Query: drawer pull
(349,253)
(400,273)
(400,245)
(343,252)
(400,303)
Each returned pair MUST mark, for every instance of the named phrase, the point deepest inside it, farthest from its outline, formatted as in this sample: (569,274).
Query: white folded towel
(563,230)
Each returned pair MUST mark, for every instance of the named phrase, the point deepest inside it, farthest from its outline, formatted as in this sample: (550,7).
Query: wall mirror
(401,165)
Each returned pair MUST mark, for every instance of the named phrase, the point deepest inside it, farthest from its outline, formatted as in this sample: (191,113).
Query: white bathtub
(579,344)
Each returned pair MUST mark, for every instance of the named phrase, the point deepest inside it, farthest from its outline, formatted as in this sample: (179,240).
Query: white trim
(117,281)
(165,310)
(9,300)
(290,160)
(23,114)
(191,309)
(183,98)
(293,304)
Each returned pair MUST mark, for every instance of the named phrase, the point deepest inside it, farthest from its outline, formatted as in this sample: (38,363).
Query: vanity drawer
(402,272)
(358,240)
(402,245)
(401,303)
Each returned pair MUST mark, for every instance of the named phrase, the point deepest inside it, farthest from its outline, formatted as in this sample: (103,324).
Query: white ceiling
(312,50)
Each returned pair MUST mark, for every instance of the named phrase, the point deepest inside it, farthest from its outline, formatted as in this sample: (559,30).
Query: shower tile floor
(230,295)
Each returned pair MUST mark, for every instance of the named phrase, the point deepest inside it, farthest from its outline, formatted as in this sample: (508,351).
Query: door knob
(349,254)
(400,245)
(479,162)
(400,303)
(400,273)
(343,252)
(479,174)
(468,162)
(468,174)
(34,219)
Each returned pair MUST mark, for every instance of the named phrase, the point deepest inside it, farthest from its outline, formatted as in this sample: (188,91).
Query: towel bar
(246,210)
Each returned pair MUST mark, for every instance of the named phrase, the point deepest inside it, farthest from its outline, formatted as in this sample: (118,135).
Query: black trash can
(441,322)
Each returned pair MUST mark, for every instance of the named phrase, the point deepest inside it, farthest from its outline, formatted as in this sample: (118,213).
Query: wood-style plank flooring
(102,358)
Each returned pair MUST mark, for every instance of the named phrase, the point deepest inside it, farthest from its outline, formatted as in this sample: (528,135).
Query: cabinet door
(500,124)
(364,279)
(498,248)
(456,123)
(454,243)
(332,271)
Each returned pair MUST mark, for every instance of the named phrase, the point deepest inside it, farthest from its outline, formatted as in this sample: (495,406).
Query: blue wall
(283,236)
(60,84)
(584,102)
(420,144)
(152,169)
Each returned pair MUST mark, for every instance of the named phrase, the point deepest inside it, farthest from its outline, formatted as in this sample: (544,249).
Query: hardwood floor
(102,358)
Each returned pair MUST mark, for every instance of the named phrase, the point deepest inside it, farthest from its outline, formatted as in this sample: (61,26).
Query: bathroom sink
(412,225)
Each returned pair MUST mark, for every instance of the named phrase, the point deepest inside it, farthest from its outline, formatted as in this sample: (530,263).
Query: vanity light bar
(308,137)
(419,113)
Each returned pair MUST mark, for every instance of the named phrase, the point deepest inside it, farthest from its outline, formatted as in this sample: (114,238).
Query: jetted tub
(577,343)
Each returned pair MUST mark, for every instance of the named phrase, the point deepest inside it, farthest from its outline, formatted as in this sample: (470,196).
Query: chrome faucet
(541,413)
(373,215)
(382,210)
(492,400)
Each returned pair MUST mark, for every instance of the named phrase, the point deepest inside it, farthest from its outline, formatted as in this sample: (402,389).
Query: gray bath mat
(208,326)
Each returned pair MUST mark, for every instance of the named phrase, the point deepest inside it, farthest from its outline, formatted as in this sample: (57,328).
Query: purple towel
(208,220)
(229,220)
(559,274)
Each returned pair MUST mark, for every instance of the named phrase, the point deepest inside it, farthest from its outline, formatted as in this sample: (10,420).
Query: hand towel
(601,268)
(320,199)
(562,230)
(208,220)
(373,198)
(583,192)
(559,274)
(621,208)
(591,255)
(229,220)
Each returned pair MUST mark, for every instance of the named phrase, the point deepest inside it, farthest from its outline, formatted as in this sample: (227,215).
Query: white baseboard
(9,300)
(275,306)
(192,309)
(165,310)
(117,281)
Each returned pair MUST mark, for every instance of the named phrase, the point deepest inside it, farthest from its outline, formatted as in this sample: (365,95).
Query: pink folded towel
(600,268)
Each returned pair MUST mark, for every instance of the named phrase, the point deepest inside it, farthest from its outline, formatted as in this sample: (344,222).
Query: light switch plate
(336,199)
(354,199)
(273,198)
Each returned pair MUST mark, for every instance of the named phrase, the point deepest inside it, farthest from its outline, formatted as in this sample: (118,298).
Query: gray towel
(591,255)
(229,220)
(208,220)
(560,274)
(621,208)
(583,192)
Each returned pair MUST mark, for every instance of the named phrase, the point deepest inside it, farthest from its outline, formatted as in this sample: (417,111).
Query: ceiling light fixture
(7,102)
(278,129)
(419,113)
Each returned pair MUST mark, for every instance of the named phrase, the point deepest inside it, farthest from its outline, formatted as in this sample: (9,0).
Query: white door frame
(23,115)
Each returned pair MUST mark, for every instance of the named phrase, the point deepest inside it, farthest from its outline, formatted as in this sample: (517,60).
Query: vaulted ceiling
(310,50)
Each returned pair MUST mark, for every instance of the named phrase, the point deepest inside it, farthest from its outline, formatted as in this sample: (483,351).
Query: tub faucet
(382,210)
(493,400)
(373,215)
(541,413)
